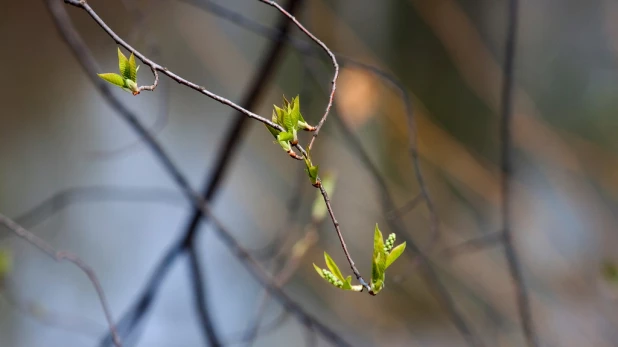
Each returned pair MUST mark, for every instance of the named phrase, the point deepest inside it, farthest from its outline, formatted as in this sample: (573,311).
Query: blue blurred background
(57,133)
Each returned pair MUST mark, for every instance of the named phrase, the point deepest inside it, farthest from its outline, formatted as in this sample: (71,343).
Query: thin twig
(230,146)
(284,234)
(417,255)
(156,67)
(342,241)
(506,114)
(388,204)
(306,49)
(228,149)
(161,120)
(96,193)
(138,18)
(151,87)
(332,57)
(200,296)
(412,148)
(84,57)
(60,256)
(311,340)
(282,277)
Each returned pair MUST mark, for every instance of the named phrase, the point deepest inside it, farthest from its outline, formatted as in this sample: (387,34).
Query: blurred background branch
(413,73)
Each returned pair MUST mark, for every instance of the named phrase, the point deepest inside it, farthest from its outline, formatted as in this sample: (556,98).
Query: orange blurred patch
(358,96)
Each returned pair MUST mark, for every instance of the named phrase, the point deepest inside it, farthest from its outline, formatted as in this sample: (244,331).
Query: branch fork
(284,124)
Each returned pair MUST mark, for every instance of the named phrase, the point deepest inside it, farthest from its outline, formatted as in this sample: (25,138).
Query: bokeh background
(58,134)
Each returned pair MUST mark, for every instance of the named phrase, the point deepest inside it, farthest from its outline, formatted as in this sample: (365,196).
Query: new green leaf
(312,171)
(378,263)
(285,136)
(291,120)
(288,122)
(332,266)
(319,271)
(113,78)
(280,116)
(347,284)
(272,130)
(394,254)
(334,276)
(294,109)
(127,80)
(123,65)
(132,68)
(131,86)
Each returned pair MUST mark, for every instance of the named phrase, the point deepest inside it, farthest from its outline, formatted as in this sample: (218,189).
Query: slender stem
(156,67)
(432,279)
(141,32)
(70,257)
(230,147)
(152,87)
(523,301)
(318,185)
(96,193)
(196,274)
(332,57)
(412,148)
(417,255)
(283,275)
(343,244)
(84,57)
(307,50)
(294,204)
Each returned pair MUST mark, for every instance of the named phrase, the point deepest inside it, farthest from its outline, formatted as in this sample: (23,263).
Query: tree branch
(294,204)
(70,257)
(84,57)
(388,204)
(198,285)
(283,276)
(332,57)
(158,68)
(342,241)
(417,255)
(95,193)
(506,114)
(304,48)
(138,18)
(232,139)
(412,148)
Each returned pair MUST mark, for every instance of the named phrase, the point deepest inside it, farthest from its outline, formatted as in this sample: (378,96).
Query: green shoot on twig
(127,80)
(291,120)
(384,254)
